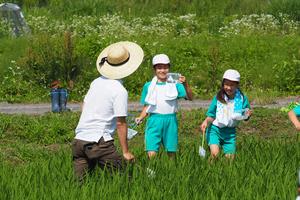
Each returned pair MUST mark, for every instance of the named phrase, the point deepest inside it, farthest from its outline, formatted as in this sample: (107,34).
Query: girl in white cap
(227,108)
(159,98)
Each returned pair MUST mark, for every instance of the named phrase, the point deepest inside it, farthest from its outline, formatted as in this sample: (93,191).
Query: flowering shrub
(201,56)
(162,25)
(13,87)
(260,24)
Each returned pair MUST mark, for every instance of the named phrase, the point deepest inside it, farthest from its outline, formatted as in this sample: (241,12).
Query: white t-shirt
(163,106)
(105,100)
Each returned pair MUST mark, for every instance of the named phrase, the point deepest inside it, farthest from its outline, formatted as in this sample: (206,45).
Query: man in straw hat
(104,110)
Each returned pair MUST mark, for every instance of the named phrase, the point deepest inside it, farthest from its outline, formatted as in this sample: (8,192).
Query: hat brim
(121,71)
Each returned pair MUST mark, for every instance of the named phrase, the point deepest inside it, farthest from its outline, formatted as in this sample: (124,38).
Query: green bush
(282,6)
(287,75)
(48,59)
(5,28)
(202,44)
(201,58)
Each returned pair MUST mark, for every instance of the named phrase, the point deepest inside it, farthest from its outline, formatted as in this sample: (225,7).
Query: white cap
(160,59)
(232,75)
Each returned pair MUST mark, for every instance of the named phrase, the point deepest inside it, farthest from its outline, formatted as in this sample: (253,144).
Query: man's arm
(122,134)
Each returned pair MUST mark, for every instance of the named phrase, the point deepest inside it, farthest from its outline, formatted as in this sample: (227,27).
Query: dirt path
(42,108)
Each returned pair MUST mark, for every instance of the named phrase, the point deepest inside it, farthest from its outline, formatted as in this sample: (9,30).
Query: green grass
(146,7)
(203,8)
(202,59)
(263,169)
(267,58)
(39,166)
(52,128)
(10,50)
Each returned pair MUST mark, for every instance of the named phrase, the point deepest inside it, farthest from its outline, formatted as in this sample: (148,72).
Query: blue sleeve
(144,93)
(297,110)
(212,109)
(181,90)
(246,103)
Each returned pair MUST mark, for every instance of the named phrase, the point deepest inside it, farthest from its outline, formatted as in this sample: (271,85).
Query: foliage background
(202,37)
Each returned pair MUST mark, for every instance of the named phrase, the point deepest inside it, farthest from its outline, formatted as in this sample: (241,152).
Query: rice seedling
(40,169)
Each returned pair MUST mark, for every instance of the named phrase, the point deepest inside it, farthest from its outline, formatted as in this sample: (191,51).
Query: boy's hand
(249,113)
(182,79)
(138,120)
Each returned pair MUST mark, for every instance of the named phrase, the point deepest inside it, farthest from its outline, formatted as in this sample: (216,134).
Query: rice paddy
(264,168)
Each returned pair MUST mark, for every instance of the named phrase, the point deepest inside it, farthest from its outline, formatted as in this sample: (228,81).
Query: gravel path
(42,108)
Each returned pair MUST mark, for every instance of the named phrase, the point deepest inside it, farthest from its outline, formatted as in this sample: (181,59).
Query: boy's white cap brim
(160,59)
(232,75)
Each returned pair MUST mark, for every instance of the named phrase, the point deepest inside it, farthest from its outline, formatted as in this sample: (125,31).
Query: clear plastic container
(241,114)
(173,77)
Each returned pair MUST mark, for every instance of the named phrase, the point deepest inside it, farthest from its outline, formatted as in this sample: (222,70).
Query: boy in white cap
(159,98)
(227,108)
(104,110)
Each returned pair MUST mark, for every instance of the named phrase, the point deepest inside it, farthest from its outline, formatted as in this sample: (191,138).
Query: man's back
(105,100)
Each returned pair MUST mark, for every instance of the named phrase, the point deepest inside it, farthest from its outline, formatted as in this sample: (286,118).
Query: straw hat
(119,60)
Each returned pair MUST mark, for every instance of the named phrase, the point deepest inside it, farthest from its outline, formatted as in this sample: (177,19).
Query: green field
(36,162)
(203,38)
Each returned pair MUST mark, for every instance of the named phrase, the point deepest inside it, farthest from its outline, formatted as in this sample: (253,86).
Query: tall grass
(10,51)
(36,162)
(283,6)
(59,128)
(202,38)
(262,170)
(265,63)
(203,8)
